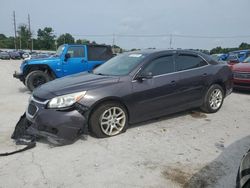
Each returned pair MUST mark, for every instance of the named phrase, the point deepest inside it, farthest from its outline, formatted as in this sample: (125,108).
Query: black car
(129,88)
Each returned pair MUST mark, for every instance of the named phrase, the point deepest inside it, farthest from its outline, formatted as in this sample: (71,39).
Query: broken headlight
(65,100)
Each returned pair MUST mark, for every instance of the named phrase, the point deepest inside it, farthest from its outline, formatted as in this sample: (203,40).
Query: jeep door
(76,62)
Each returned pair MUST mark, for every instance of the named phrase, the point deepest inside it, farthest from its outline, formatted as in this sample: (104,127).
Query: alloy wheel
(215,99)
(112,121)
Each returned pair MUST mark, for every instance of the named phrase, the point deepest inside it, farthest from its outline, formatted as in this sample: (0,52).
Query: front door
(155,96)
(76,62)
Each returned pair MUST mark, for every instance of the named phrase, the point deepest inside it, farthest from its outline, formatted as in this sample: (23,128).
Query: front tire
(108,119)
(213,99)
(36,78)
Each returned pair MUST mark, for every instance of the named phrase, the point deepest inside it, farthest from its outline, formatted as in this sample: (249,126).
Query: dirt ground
(188,149)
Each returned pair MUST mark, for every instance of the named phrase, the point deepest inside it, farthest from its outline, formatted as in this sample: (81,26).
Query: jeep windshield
(120,65)
(59,50)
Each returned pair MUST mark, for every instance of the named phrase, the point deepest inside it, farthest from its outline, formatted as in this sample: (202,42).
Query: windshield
(59,50)
(247,60)
(120,65)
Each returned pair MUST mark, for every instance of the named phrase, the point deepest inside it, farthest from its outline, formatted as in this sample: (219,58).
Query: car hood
(71,84)
(42,60)
(241,67)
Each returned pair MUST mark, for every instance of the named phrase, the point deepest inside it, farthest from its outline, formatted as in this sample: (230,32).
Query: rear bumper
(19,76)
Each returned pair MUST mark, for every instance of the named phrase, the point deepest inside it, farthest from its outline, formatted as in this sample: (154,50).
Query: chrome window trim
(174,72)
(180,71)
(207,64)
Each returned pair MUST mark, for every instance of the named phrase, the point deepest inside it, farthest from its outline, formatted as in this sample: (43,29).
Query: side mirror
(67,56)
(144,76)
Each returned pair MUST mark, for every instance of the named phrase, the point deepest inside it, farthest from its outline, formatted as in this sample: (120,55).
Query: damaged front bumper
(58,126)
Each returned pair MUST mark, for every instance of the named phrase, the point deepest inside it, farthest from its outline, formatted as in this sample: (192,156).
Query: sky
(202,24)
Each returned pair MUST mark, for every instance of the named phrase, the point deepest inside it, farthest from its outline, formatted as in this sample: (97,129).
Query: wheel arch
(220,83)
(41,67)
(105,100)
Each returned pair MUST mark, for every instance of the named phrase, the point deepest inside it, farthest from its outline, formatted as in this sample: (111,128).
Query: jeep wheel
(213,99)
(35,79)
(108,119)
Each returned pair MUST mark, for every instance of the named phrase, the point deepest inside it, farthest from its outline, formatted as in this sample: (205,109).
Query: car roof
(154,51)
(102,45)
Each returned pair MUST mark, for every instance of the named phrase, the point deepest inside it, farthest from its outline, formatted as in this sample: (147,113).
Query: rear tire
(108,119)
(213,99)
(36,78)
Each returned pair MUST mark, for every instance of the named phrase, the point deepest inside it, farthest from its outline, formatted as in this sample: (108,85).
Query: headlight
(65,100)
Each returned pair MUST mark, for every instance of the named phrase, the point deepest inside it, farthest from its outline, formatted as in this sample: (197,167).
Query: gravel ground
(188,149)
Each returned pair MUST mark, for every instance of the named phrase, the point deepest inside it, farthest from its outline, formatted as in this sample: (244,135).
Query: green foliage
(45,39)
(65,39)
(219,50)
(82,41)
(6,42)
(24,37)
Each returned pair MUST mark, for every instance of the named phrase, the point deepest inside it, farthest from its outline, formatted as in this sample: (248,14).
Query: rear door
(155,96)
(192,73)
(77,61)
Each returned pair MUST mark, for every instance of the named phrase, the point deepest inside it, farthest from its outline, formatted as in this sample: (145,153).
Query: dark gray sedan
(129,88)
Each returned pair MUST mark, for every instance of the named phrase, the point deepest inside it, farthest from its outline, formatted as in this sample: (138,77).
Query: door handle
(83,61)
(205,74)
(173,83)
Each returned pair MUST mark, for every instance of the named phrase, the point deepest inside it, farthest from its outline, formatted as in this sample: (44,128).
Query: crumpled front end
(58,126)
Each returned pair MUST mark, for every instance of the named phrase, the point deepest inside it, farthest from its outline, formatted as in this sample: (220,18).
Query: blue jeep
(69,59)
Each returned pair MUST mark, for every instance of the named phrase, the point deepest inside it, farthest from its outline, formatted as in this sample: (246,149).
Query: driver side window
(159,66)
(76,51)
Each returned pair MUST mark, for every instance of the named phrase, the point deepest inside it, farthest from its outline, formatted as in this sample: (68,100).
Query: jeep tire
(36,78)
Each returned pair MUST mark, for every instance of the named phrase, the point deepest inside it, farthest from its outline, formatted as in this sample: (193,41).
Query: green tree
(7,42)
(244,46)
(3,39)
(24,36)
(216,50)
(65,39)
(82,41)
(45,39)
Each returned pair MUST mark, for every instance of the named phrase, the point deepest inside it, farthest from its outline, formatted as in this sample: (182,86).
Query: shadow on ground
(195,113)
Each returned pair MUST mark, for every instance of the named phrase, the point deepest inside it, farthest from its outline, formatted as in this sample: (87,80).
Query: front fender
(53,64)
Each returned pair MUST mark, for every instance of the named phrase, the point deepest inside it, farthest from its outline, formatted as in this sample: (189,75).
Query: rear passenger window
(99,53)
(162,65)
(188,61)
